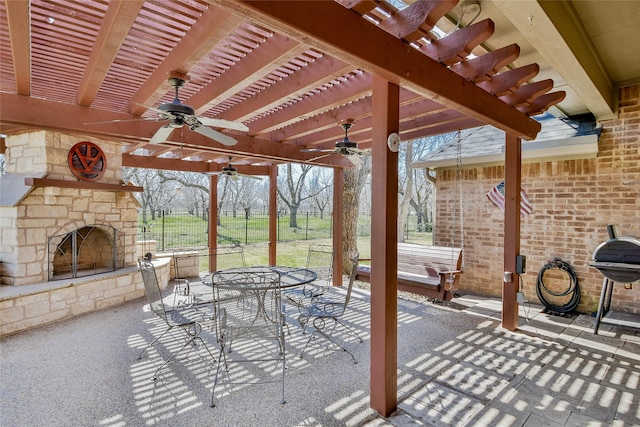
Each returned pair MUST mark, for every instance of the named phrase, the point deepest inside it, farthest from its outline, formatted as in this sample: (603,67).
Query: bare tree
(193,190)
(354,181)
(406,187)
(296,190)
(422,197)
(320,182)
(244,194)
(156,195)
(232,195)
(222,196)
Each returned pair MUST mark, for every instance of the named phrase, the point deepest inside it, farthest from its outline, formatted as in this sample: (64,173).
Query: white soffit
(577,147)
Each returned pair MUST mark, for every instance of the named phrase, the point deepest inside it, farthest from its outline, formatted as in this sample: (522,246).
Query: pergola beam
(385,56)
(340,94)
(114,29)
(303,80)
(205,34)
(270,55)
(42,114)
(18,21)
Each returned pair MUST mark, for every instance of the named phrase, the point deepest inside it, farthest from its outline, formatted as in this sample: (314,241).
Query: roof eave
(577,147)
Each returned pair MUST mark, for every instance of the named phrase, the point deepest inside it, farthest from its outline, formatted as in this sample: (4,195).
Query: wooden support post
(273,214)
(384,250)
(212,242)
(338,221)
(512,185)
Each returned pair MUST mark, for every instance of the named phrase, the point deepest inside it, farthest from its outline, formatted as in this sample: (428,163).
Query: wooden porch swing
(432,271)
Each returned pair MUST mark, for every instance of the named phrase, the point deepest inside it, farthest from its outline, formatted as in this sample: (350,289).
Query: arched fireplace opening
(85,251)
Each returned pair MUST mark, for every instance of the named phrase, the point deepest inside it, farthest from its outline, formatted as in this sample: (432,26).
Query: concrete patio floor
(455,367)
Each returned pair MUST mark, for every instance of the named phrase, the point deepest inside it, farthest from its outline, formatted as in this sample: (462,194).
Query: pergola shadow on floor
(455,367)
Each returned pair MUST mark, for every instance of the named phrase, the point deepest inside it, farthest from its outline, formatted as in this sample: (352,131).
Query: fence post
(162,230)
(406,229)
(246,229)
(306,230)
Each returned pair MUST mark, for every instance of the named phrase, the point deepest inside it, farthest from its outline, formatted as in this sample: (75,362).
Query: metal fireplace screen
(86,251)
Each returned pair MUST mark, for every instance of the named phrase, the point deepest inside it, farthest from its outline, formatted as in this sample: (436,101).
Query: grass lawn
(294,253)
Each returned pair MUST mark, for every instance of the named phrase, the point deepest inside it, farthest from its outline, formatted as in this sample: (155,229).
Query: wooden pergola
(291,71)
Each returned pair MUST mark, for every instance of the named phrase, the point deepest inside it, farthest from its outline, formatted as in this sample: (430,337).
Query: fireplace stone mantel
(63,183)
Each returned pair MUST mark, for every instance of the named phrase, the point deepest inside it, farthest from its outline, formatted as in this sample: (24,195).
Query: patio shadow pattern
(456,367)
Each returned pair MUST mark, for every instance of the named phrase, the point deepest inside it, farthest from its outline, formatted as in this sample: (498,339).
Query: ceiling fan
(232,172)
(345,147)
(179,115)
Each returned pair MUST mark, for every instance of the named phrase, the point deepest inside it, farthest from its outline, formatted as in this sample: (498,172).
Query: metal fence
(173,230)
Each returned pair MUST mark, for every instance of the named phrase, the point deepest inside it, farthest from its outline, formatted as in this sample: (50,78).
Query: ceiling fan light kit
(232,172)
(344,147)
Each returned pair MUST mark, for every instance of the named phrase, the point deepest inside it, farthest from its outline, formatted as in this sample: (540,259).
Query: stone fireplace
(67,246)
(42,222)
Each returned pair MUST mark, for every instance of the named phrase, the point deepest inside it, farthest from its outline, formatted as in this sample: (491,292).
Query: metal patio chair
(320,260)
(186,318)
(249,321)
(329,307)
(197,267)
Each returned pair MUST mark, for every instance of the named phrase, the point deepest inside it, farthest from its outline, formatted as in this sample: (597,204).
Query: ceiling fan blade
(321,157)
(142,119)
(221,123)
(355,159)
(215,135)
(161,135)
(250,176)
(318,150)
(356,150)
(164,115)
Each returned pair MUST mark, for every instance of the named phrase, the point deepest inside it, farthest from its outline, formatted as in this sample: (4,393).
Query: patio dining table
(290,277)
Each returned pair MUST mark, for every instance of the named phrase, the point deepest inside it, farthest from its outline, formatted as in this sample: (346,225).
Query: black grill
(618,259)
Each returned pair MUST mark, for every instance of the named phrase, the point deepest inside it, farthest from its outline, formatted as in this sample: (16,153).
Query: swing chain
(458,193)
(460,199)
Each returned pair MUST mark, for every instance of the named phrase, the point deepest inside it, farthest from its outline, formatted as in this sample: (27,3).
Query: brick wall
(573,201)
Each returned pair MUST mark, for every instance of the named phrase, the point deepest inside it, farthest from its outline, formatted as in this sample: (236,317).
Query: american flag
(496,196)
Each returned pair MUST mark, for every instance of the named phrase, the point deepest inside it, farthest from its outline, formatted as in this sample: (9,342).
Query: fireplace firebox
(85,251)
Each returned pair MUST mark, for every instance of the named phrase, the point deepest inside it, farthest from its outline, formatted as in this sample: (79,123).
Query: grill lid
(619,259)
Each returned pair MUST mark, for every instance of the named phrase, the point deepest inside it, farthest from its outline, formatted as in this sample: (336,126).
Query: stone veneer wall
(573,201)
(49,211)
(25,307)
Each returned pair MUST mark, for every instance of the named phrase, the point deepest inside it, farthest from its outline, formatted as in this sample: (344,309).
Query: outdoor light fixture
(469,7)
